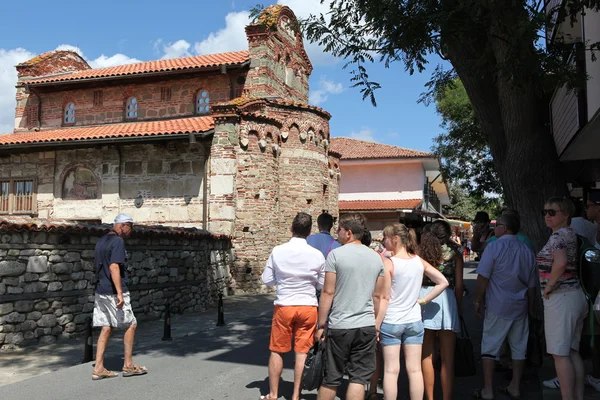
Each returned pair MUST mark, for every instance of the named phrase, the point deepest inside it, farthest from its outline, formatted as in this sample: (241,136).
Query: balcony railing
(552,8)
(430,199)
(568,107)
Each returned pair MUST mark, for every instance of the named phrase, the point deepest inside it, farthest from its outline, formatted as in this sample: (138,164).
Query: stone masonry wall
(47,280)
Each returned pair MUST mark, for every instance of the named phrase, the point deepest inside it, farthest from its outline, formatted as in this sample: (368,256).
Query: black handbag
(464,359)
(312,375)
(535,350)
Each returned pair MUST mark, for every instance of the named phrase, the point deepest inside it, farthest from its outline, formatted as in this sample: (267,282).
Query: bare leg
(327,392)
(427,362)
(517,373)
(391,370)
(566,376)
(375,377)
(356,391)
(128,340)
(298,369)
(275,368)
(101,348)
(447,347)
(412,355)
(579,374)
(488,378)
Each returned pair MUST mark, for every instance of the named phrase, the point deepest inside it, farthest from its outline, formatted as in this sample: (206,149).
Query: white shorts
(496,330)
(107,314)
(564,313)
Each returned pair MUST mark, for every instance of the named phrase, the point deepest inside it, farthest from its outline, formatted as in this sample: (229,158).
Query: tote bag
(464,360)
(312,375)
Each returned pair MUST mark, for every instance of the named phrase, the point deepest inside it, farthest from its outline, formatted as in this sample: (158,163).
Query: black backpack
(588,258)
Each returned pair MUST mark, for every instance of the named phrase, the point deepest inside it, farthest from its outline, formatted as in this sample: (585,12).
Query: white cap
(123,219)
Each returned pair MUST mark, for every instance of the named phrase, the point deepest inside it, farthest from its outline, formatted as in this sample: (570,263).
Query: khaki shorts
(297,321)
(564,313)
(496,330)
(107,314)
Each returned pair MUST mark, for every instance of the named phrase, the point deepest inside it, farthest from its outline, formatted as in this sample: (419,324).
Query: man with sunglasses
(112,304)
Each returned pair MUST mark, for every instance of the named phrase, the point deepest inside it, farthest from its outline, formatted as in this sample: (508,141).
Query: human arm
(268,275)
(383,289)
(441,283)
(459,288)
(115,276)
(325,302)
(559,265)
(321,275)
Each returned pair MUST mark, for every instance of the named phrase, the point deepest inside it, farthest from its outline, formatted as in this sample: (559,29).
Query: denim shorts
(410,333)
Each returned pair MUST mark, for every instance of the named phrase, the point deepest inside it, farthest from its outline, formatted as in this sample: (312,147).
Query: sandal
(372,396)
(134,371)
(267,397)
(504,391)
(96,376)
(478,395)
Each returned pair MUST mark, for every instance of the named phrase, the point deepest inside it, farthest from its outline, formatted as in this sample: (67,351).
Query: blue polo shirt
(323,241)
(110,249)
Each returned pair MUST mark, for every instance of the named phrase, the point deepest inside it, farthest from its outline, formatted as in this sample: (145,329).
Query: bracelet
(422,301)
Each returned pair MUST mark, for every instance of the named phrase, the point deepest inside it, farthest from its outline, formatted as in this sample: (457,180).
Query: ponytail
(408,238)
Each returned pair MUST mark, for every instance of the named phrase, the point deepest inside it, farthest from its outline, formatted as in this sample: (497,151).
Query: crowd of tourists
(405,298)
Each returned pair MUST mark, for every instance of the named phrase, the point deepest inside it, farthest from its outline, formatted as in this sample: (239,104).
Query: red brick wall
(151,105)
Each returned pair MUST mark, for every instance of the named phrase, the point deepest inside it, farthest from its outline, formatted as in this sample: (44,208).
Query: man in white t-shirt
(298,270)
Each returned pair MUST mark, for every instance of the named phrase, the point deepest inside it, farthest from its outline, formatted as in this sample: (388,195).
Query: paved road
(203,362)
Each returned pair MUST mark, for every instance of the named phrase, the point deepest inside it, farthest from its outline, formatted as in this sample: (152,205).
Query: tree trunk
(509,112)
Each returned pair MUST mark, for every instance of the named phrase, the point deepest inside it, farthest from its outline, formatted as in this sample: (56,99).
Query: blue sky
(115,32)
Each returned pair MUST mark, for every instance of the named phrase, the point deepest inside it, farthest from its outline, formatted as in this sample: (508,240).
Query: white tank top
(406,286)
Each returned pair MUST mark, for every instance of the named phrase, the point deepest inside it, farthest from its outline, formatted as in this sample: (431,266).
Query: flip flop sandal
(134,371)
(267,397)
(477,395)
(504,391)
(96,376)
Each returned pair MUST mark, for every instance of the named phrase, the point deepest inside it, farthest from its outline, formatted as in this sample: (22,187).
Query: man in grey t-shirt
(352,291)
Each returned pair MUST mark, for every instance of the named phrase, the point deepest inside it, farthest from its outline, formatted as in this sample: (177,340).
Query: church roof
(372,205)
(121,130)
(156,66)
(354,149)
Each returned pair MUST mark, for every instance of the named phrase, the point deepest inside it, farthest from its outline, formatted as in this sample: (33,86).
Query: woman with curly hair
(441,316)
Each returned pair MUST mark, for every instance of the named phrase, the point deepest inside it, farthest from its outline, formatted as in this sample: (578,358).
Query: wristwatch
(320,326)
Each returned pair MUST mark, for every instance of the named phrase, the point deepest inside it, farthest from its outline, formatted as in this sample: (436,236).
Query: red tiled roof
(22,224)
(128,129)
(353,149)
(364,205)
(210,60)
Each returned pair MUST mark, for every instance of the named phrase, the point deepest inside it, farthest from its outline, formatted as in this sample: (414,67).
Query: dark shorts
(352,351)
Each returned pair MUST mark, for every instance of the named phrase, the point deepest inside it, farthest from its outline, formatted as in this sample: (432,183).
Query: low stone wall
(47,277)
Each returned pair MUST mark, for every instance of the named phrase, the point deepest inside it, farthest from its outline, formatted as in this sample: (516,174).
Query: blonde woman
(564,302)
(399,318)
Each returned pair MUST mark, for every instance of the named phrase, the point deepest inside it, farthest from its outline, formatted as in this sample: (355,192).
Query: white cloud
(365,133)
(180,48)
(8,77)
(230,38)
(8,80)
(326,87)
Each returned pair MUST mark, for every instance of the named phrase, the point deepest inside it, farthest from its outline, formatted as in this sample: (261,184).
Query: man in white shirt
(298,270)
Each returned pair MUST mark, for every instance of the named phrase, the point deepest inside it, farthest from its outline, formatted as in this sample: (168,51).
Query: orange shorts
(299,321)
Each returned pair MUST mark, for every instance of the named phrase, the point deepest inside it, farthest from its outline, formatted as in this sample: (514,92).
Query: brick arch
(250,127)
(72,167)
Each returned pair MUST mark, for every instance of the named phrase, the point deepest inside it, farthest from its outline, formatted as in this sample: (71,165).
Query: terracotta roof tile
(370,205)
(128,129)
(353,149)
(210,60)
(22,224)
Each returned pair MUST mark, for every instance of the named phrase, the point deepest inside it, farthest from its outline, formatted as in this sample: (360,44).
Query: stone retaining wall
(47,279)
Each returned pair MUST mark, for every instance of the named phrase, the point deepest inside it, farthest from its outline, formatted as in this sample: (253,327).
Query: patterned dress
(447,267)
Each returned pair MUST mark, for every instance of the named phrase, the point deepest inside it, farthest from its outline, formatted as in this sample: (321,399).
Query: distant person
(481,232)
(298,270)
(505,295)
(349,304)
(580,224)
(592,208)
(323,241)
(112,302)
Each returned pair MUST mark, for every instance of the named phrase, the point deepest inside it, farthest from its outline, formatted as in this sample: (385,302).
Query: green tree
(463,147)
(464,205)
(496,50)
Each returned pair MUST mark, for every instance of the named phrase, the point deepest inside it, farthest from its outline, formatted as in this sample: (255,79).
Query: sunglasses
(549,212)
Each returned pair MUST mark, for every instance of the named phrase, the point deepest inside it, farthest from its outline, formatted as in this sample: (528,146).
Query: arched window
(202,102)
(80,183)
(131,108)
(69,116)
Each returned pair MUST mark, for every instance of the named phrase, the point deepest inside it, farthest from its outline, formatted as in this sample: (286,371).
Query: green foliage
(464,149)
(464,205)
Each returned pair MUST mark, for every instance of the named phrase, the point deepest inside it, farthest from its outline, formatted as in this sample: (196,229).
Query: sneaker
(552,383)
(593,382)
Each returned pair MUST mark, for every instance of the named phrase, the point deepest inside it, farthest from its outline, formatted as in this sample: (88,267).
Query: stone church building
(223,142)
